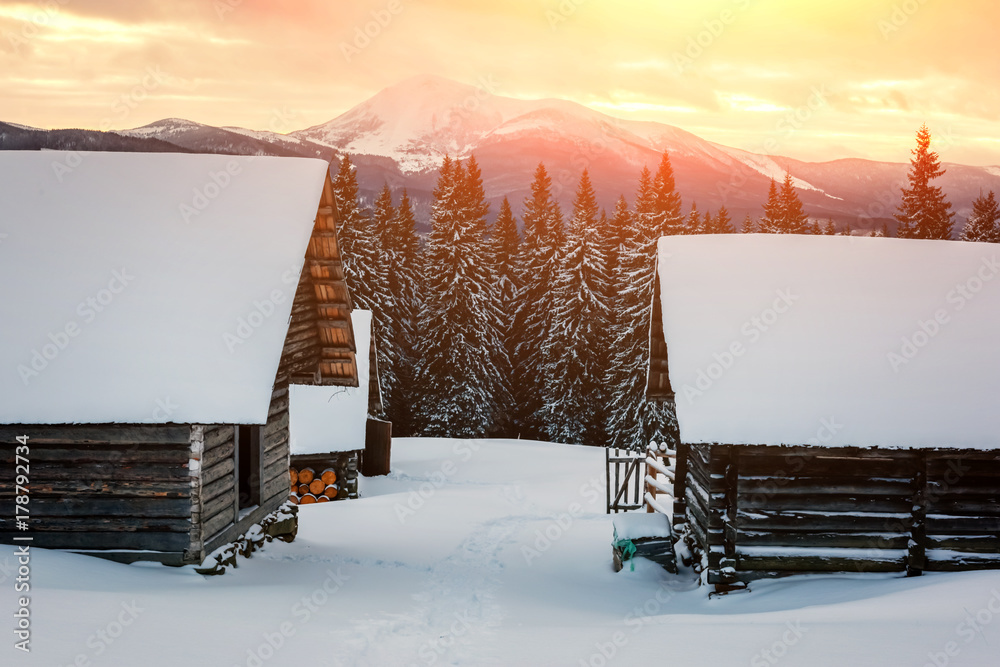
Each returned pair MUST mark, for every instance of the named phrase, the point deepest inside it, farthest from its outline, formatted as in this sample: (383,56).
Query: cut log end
(328,477)
(308,499)
(306,475)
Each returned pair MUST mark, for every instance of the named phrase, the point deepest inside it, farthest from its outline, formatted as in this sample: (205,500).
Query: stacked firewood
(308,487)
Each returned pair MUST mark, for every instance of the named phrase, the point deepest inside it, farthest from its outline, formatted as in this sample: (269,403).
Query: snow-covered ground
(482,553)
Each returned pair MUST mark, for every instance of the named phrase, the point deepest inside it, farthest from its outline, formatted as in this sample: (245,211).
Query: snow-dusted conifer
(574,403)
(924,212)
(984,223)
(533,323)
(458,335)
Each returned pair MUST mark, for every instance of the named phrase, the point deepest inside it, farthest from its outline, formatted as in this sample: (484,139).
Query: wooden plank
(131,507)
(118,488)
(863,468)
(221,485)
(979,507)
(156,541)
(820,539)
(823,486)
(217,455)
(216,523)
(51,472)
(276,458)
(113,454)
(218,436)
(974,543)
(278,426)
(223,469)
(98,434)
(956,525)
(767,520)
(221,504)
(842,503)
(102,524)
(832,563)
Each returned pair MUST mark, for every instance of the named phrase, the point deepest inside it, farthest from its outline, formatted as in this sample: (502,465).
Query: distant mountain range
(401,135)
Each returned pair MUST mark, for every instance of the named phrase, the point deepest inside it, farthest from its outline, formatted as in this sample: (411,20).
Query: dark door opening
(248,465)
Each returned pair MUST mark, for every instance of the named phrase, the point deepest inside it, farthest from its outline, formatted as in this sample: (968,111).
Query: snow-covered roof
(333,419)
(835,341)
(147,288)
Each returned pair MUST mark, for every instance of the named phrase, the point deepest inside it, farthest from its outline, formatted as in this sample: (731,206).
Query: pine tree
(693,224)
(924,213)
(385,321)
(459,320)
(750,226)
(573,408)
(621,222)
(722,224)
(771,221)
(793,218)
(633,421)
(984,223)
(533,324)
(403,271)
(356,237)
(667,201)
(830,229)
(505,252)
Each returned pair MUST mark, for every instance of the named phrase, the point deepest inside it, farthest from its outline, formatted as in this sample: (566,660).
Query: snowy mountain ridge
(400,136)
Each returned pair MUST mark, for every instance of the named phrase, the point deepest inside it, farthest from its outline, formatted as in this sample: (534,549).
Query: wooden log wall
(103,487)
(766,511)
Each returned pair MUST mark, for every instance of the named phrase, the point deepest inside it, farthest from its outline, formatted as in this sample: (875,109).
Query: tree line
(485,331)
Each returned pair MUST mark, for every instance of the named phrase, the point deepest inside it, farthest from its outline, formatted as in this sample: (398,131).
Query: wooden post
(378,448)
(680,485)
(916,556)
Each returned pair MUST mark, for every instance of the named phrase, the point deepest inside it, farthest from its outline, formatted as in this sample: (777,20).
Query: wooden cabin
(156,311)
(837,402)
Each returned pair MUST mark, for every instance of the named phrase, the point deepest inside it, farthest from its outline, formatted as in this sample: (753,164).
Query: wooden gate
(625,479)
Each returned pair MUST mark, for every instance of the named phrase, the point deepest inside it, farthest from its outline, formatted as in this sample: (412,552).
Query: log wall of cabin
(759,511)
(96,488)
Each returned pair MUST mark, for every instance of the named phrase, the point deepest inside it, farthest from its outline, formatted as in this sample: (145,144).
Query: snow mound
(833,341)
(148,288)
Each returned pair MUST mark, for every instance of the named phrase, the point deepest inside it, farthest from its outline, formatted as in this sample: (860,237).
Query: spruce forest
(485,330)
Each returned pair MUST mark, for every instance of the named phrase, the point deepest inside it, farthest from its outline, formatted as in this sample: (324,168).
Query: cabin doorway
(248,466)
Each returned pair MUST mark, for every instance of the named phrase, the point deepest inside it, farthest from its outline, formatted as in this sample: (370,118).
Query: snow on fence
(660,473)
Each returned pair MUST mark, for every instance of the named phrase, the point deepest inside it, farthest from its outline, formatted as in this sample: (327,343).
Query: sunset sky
(731,71)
